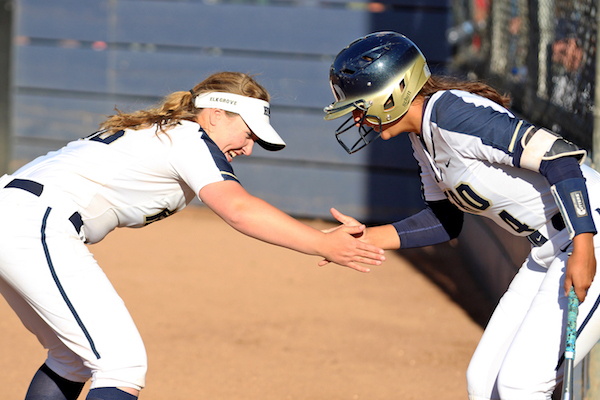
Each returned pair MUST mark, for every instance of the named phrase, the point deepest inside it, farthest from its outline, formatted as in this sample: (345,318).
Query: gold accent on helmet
(399,90)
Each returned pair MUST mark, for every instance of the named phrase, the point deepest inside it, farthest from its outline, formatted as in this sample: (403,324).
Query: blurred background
(66,64)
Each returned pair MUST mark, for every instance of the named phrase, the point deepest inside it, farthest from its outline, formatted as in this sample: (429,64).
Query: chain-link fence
(542,52)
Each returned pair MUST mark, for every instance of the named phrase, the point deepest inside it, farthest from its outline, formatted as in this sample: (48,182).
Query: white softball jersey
(465,154)
(131,178)
(47,273)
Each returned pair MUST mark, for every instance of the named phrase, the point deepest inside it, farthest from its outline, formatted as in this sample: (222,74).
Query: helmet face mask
(353,141)
(379,74)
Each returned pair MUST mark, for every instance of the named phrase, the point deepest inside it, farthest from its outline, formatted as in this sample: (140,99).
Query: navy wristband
(573,202)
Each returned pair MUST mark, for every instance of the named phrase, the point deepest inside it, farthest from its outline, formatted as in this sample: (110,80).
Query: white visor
(256,114)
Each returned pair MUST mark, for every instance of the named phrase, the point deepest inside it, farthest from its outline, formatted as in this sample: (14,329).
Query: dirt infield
(225,317)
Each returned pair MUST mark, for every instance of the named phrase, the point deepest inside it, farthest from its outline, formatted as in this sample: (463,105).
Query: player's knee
(513,383)
(122,364)
(132,376)
(127,369)
(480,385)
(472,377)
(68,364)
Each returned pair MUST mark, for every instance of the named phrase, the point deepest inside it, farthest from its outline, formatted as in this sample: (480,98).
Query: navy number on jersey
(468,200)
(108,139)
(148,219)
(515,224)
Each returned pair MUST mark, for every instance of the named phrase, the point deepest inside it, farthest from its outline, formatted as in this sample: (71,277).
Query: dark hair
(437,83)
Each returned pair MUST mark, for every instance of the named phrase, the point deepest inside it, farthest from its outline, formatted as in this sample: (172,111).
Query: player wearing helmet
(140,168)
(476,156)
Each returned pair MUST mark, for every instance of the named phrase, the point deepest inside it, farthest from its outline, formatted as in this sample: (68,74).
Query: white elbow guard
(539,145)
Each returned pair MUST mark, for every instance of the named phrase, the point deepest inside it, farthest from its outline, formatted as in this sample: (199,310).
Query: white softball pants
(523,342)
(54,284)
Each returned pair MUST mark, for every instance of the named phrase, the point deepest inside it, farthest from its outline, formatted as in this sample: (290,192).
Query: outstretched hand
(349,242)
(343,218)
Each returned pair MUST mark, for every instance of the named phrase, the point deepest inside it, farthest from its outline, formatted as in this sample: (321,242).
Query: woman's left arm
(569,189)
(559,161)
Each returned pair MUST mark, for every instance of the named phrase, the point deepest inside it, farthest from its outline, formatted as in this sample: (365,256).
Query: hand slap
(342,247)
(344,219)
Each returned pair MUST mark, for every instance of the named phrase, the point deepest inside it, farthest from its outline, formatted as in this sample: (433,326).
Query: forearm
(260,220)
(429,227)
(384,236)
(583,243)
(255,217)
(573,202)
(569,189)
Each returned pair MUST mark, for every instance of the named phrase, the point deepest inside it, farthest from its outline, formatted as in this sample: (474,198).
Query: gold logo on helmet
(407,98)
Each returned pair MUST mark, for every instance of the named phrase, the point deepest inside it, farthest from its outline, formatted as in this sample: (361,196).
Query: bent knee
(122,364)
(126,377)
(518,384)
(481,382)
(124,370)
(68,365)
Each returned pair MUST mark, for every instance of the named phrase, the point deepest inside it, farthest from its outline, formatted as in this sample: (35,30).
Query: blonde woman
(139,168)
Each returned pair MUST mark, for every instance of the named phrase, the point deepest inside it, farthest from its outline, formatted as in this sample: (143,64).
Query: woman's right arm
(257,218)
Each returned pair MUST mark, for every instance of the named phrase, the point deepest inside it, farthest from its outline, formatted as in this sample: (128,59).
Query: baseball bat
(571,335)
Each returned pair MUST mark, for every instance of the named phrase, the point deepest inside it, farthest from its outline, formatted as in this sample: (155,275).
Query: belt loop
(27,185)
(76,220)
(36,189)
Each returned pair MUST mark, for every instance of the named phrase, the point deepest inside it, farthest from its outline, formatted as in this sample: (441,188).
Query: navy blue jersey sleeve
(473,115)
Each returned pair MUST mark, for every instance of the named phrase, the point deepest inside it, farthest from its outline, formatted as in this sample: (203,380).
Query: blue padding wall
(76,60)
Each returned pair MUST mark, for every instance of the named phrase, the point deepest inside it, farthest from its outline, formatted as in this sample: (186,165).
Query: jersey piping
(219,158)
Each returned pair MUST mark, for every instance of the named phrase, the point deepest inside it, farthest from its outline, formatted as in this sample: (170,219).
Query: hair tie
(192,93)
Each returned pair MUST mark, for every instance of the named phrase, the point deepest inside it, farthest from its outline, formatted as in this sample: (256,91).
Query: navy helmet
(379,74)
